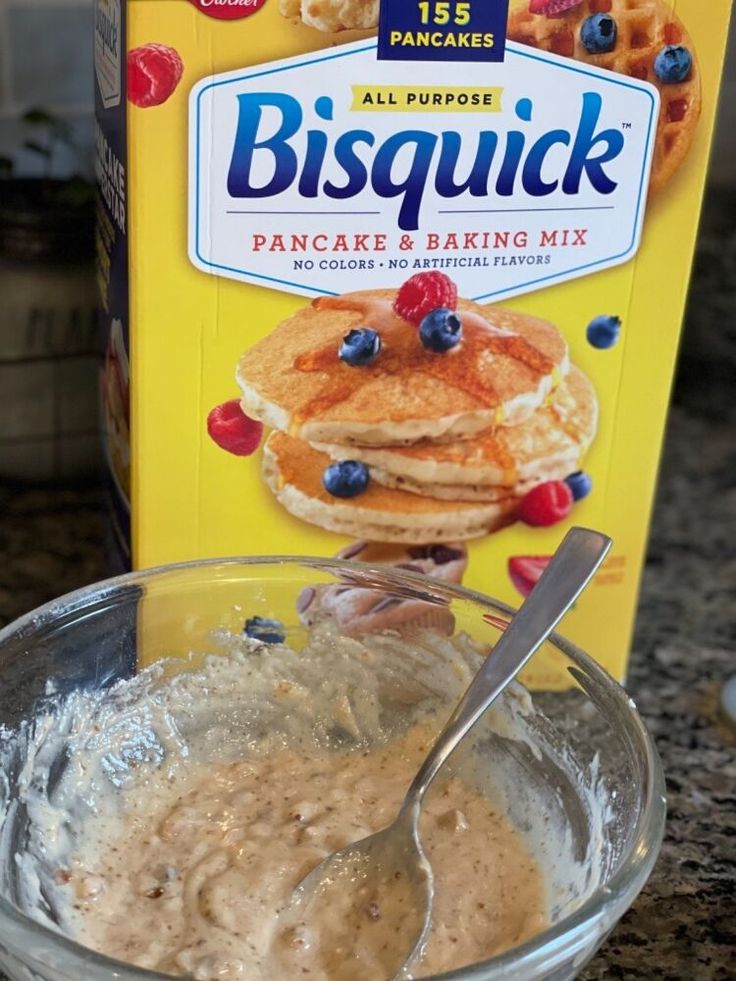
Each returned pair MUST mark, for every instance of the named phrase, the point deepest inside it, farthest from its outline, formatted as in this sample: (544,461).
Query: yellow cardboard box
(258,159)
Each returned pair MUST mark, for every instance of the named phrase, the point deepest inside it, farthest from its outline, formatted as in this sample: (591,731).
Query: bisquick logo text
(265,161)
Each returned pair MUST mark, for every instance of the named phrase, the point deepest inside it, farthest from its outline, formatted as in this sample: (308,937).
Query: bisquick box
(398,281)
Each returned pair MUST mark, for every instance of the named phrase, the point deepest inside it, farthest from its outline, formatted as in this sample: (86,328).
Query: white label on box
(330,172)
(109,44)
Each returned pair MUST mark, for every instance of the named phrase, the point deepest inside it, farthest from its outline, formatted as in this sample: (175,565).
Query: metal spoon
(387,875)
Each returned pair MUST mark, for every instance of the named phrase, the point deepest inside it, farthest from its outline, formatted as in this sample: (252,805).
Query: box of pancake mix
(398,281)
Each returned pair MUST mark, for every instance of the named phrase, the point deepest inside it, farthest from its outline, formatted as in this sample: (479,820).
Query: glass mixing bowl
(590,742)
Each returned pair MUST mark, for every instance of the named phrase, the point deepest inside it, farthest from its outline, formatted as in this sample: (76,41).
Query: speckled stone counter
(683,926)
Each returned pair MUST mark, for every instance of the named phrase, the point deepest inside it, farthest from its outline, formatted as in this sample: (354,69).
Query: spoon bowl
(384,877)
(388,872)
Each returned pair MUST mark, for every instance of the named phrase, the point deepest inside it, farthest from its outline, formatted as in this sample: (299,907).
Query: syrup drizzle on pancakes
(468,368)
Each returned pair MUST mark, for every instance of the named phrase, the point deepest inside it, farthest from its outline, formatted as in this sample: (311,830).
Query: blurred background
(48,425)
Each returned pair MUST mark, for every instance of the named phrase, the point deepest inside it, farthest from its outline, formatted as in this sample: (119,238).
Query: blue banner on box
(442,30)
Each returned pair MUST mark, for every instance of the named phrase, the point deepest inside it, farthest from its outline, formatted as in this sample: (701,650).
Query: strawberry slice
(525,570)
(233,430)
(552,8)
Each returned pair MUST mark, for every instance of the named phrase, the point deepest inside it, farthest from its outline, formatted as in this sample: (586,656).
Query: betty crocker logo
(228,9)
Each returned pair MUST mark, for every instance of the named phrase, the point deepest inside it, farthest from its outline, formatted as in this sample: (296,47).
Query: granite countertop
(683,925)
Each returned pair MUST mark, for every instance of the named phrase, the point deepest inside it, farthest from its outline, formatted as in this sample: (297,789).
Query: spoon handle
(569,572)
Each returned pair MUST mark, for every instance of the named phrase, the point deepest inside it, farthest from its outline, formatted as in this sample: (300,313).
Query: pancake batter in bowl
(193,881)
(191,802)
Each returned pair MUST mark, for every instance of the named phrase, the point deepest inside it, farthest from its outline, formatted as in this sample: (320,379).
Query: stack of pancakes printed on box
(452,441)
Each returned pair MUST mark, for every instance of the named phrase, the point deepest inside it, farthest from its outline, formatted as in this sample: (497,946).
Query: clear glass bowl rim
(577,931)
